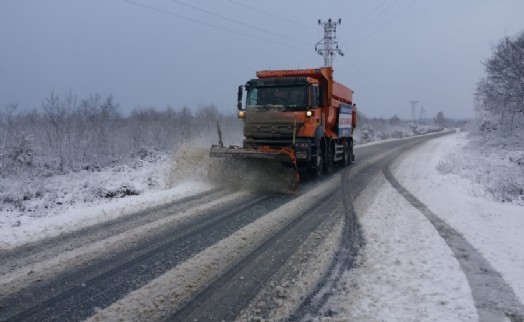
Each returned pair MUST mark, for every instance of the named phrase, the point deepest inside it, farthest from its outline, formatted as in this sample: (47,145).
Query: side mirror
(239,97)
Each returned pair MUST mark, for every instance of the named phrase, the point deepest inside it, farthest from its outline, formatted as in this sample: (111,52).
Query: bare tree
(184,124)
(8,124)
(394,120)
(440,120)
(501,92)
(69,133)
(59,115)
(101,117)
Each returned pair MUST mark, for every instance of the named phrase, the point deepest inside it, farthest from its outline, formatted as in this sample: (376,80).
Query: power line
(365,26)
(330,48)
(355,25)
(374,84)
(366,73)
(386,23)
(370,76)
(363,85)
(271,15)
(210,25)
(238,22)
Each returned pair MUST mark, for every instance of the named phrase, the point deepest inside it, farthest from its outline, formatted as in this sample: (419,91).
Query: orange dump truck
(300,118)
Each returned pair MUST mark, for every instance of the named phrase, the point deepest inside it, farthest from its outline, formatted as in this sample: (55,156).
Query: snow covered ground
(407,271)
(494,228)
(79,199)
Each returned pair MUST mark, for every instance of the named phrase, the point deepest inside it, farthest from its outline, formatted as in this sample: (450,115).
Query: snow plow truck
(300,118)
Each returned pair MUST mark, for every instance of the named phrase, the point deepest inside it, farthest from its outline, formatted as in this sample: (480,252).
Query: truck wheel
(350,154)
(328,158)
(316,169)
(346,158)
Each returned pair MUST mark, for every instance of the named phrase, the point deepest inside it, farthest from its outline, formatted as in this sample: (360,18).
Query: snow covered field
(79,199)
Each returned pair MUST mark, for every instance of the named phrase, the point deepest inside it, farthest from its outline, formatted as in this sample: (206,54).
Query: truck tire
(316,167)
(327,165)
(352,154)
(346,157)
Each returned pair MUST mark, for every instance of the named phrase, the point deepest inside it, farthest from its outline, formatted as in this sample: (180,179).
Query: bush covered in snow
(495,156)
(70,134)
(498,133)
(378,129)
(499,171)
(82,150)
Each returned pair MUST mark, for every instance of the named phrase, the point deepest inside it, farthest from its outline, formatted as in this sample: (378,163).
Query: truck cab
(300,110)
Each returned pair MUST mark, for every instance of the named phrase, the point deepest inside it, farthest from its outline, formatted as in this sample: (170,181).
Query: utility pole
(413,110)
(421,114)
(328,46)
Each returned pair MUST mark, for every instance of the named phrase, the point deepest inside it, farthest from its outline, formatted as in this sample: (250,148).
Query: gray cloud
(177,55)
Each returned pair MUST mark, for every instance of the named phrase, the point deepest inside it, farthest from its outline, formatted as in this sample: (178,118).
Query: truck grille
(266,130)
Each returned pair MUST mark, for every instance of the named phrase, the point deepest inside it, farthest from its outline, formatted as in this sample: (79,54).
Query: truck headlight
(309,113)
(241,114)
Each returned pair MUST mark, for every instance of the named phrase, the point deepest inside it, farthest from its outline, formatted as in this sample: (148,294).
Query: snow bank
(493,227)
(406,272)
(74,200)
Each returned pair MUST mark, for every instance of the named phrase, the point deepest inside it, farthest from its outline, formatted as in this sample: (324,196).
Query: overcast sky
(196,52)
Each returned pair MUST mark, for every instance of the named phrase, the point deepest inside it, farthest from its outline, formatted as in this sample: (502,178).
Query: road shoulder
(493,228)
(407,272)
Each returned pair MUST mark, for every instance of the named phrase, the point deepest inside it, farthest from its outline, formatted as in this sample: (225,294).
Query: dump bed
(342,93)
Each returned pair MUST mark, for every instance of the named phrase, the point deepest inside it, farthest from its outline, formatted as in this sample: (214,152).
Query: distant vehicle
(300,118)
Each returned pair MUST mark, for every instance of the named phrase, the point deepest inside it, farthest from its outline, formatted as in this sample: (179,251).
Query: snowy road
(223,255)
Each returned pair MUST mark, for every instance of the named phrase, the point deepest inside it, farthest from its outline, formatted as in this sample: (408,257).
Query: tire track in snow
(34,266)
(353,182)
(256,269)
(176,288)
(75,294)
(47,248)
(493,297)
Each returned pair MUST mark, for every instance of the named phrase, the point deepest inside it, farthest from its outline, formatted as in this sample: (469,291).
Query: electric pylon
(329,44)
(413,110)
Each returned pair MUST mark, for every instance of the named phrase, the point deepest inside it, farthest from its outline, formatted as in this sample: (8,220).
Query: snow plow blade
(284,156)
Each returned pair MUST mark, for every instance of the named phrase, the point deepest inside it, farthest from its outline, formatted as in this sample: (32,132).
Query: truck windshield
(292,98)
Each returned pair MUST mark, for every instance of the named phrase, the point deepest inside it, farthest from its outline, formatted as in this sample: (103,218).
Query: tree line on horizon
(69,133)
